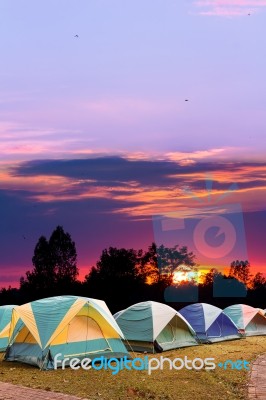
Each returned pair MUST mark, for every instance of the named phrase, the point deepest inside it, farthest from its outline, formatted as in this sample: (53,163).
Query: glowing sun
(180,276)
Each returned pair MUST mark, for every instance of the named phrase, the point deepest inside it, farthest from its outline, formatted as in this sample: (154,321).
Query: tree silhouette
(241,271)
(209,277)
(117,277)
(149,267)
(259,281)
(119,263)
(123,277)
(173,259)
(159,264)
(63,256)
(43,274)
(55,265)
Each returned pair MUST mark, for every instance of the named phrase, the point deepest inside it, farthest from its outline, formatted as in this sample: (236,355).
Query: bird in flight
(76,36)
(186,100)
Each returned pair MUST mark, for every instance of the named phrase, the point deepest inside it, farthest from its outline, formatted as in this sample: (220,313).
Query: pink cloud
(229,8)
(231,3)
(187,158)
(225,12)
(20,141)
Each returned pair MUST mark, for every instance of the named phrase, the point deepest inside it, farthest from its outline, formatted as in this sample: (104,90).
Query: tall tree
(241,271)
(117,264)
(116,277)
(259,281)
(63,256)
(160,263)
(42,277)
(41,260)
(149,266)
(210,276)
(54,265)
(174,259)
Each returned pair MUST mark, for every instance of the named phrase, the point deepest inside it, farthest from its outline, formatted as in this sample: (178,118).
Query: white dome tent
(153,327)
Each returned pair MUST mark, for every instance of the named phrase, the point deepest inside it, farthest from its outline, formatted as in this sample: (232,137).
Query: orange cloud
(158,200)
(188,158)
(184,191)
(34,183)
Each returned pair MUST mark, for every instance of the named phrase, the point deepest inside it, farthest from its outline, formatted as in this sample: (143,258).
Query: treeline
(122,277)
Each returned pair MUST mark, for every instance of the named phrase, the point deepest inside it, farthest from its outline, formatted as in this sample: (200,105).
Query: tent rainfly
(5,318)
(73,326)
(210,323)
(249,320)
(154,327)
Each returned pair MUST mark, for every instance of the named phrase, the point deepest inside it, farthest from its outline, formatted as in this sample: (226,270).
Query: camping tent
(249,320)
(5,317)
(262,311)
(73,326)
(210,323)
(151,326)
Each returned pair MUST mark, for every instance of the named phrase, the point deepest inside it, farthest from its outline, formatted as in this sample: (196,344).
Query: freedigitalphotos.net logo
(213,230)
(146,364)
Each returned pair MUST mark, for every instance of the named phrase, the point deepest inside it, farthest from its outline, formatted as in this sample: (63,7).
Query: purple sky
(107,112)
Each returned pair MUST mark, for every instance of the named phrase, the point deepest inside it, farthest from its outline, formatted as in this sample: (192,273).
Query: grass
(217,384)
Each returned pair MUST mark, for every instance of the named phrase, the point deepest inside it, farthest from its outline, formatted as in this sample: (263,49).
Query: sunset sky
(150,121)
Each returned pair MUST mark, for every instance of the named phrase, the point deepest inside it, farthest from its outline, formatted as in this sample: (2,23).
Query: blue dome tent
(210,323)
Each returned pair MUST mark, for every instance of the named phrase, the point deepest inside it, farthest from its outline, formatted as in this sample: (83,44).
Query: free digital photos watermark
(211,226)
(147,364)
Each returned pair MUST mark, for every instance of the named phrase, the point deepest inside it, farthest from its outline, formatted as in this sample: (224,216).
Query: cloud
(140,188)
(107,169)
(105,201)
(190,158)
(20,141)
(229,8)
(231,3)
(106,121)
